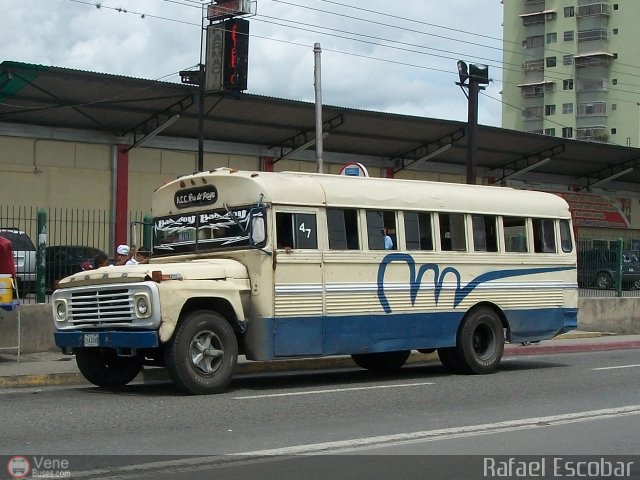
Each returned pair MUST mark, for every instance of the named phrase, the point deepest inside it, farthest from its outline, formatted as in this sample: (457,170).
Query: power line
(501,67)
(501,64)
(395,62)
(351,17)
(520,53)
(124,10)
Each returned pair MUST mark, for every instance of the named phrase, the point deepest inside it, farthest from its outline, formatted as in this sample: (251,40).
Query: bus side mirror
(257,234)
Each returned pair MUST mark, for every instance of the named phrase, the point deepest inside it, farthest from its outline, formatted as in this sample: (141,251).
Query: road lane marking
(332,390)
(446,433)
(201,463)
(619,366)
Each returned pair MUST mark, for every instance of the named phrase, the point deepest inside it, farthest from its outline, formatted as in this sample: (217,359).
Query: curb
(518,350)
(160,374)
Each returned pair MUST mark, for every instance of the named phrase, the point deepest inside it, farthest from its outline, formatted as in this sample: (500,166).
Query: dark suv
(598,268)
(64,260)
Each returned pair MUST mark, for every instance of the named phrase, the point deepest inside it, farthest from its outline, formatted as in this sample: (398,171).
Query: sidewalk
(54,368)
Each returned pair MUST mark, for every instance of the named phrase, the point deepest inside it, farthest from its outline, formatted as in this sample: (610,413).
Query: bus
(294,265)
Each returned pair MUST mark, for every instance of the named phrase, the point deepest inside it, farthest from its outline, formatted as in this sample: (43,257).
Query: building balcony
(532,114)
(538,17)
(592,34)
(533,65)
(591,85)
(593,9)
(593,134)
(536,89)
(592,59)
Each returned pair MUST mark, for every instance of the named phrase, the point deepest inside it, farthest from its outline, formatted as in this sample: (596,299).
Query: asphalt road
(562,404)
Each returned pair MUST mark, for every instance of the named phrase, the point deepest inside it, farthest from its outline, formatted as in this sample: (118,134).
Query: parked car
(24,257)
(64,260)
(598,268)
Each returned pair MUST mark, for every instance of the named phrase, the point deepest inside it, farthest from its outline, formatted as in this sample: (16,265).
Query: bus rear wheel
(203,354)
(105,368)
(382,361)
(480,343)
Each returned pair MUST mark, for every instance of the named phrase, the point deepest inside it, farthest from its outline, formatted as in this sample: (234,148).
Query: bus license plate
(91,340)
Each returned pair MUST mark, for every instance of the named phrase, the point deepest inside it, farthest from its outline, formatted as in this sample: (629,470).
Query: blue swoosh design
(415,279)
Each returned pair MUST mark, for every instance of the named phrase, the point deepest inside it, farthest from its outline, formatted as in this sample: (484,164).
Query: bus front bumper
(116,339)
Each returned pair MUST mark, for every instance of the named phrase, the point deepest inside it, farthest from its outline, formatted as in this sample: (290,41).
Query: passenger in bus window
(388,241)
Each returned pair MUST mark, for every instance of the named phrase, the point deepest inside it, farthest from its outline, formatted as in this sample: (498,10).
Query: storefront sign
(590,210)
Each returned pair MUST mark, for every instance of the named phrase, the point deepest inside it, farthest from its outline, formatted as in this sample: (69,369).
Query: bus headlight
(142,304)
(60,309)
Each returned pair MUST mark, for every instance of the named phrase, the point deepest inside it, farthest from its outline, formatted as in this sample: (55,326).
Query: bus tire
(382,361)
(203,354)
(448,358)
(105,368)
(480,342)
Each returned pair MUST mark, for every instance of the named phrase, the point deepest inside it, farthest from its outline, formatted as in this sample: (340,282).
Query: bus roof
(237,188)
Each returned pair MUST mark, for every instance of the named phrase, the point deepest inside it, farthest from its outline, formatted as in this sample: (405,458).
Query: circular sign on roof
(354,169)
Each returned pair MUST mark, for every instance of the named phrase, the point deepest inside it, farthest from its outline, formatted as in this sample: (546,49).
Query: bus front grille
(101,306)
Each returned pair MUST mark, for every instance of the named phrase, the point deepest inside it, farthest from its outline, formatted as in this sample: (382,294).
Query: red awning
(6,257)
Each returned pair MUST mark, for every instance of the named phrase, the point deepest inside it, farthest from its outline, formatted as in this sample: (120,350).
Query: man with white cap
(122,254)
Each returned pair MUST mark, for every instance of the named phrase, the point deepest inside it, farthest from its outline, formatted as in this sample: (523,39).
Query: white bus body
(289,265)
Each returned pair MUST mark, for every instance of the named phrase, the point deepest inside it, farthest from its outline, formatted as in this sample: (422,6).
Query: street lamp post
(471,78)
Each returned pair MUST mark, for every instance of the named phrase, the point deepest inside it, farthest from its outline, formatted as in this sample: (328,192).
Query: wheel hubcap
(484,342)
(206,352)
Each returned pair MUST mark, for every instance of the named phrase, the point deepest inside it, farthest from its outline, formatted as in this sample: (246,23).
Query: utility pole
(201,94)
(317,51)
(471,78)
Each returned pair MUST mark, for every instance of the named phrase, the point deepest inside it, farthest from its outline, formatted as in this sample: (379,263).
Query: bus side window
(381,224)
(544,237)
(515,234)
(284,230)
(565,236)
(417,230)
(485,237)
(452,236)
(296,230)
(343,229)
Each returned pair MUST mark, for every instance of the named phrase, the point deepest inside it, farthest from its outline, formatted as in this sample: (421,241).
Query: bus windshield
(204,231)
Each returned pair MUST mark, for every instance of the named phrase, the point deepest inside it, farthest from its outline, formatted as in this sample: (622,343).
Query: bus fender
(199,294)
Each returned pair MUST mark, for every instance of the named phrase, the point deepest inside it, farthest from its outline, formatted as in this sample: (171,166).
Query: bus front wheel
(203,353)
(480,343)
(105,368)
(382,361)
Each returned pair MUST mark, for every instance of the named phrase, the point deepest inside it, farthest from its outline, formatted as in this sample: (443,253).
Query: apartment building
(572,69)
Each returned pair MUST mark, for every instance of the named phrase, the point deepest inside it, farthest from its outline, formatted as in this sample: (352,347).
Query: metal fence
(73,237)
(608,262)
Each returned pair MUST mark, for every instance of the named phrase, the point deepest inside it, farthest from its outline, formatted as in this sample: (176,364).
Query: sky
(376,55)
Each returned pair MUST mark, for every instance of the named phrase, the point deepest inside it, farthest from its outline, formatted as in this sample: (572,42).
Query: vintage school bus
(289,265)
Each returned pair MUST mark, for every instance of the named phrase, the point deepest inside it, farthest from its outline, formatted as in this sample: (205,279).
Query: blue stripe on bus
(415,279)
(344,335)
